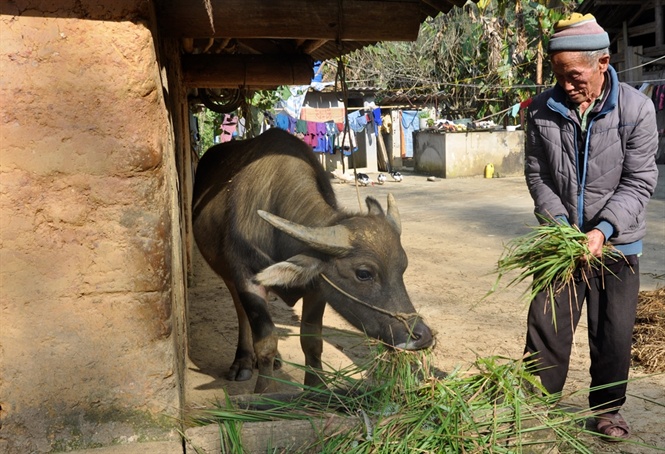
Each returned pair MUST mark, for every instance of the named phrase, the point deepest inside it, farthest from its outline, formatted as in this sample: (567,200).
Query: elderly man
(590,162)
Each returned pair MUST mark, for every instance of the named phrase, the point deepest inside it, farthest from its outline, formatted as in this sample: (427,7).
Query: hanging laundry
(240,129)
(331,133)
(332,128)
(228,127)
(292,124)
(409,124)
(346,140)
(658,97)
(321,138)
(647,89)
(387,124)
(311,136)
(293,105)
(282,121)
(515,110)
(376,119)
(357,120)
(301,129)
(526,103)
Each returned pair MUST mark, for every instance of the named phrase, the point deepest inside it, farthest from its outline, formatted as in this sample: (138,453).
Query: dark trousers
(611,306)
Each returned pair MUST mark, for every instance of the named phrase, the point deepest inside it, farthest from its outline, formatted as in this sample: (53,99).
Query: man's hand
(596,241)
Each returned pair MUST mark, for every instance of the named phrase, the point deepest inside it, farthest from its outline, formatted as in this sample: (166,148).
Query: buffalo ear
(373,206)
(298,271)
(392,215)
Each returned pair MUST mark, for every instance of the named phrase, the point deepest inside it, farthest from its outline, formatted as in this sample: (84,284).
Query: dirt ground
(453,231)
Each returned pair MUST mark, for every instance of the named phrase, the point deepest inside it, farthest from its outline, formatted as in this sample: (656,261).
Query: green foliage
(209,123)
(264,100)
(474,60)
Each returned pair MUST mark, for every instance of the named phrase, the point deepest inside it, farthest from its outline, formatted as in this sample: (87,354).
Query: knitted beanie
(578,32)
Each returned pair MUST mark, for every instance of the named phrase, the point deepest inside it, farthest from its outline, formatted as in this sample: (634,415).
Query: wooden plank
(310,46)
(360,20)
(633,69)
(655,51)
(384,163)
(639,30)
(233,71)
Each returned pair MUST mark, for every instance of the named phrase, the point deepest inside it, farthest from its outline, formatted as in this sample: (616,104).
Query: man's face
(581,79)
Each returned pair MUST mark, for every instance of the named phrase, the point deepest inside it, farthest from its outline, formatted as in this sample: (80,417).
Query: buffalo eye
(363,275)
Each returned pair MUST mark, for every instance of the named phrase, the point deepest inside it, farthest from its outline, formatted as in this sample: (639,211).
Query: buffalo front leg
(310,338)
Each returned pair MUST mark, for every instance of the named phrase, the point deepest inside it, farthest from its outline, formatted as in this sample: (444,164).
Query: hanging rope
(342,87)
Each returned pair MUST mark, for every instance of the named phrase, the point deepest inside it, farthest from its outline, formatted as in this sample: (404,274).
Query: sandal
(612,427)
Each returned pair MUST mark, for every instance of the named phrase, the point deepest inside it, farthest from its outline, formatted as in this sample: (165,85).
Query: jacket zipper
(581,180)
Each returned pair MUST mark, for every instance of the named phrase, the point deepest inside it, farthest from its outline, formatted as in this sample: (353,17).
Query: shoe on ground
(612,427)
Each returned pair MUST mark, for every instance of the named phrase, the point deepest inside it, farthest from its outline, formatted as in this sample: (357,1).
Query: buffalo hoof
(241,369)
(237,374)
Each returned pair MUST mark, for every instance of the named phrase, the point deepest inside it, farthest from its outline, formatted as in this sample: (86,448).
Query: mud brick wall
(88,227)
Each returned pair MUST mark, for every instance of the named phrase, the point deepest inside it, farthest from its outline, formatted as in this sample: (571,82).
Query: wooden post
(659,22)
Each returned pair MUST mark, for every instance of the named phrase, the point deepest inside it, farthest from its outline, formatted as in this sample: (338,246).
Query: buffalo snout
(417,336)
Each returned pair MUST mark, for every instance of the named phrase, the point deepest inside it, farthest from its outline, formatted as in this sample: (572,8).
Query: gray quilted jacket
(604,182)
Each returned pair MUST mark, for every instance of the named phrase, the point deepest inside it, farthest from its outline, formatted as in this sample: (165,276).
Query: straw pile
(649,331)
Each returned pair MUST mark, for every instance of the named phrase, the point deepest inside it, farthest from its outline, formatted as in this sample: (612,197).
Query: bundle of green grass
(398,403)
(550,254)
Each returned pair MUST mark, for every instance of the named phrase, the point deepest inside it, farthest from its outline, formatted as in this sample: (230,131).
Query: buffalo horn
(332,240)
(393,213)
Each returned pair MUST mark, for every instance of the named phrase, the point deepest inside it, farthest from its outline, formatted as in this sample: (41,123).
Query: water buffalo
(266,218)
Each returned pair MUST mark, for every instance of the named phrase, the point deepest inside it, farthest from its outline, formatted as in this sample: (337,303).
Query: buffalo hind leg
(310,338)
(254,302)
(244,361)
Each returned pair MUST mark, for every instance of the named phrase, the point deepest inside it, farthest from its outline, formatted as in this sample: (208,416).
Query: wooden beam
(441,5)
(233,71)
(359,20)
(655,51)
(644,29)
(310,46)
(428,10)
